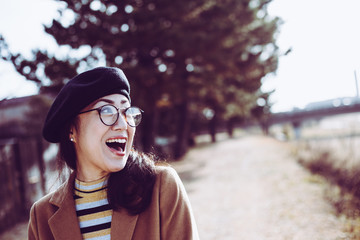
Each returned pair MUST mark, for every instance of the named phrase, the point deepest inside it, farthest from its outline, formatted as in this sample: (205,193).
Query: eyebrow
(124,101)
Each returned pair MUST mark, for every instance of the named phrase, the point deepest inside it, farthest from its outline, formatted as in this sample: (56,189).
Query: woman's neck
(83,177)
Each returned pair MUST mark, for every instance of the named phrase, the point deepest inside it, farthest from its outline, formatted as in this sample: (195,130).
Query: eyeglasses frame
(118,114)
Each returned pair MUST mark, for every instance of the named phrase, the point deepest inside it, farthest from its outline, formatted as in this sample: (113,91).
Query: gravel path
(252,188)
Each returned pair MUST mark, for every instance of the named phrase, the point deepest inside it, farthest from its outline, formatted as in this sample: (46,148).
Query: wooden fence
(22,177)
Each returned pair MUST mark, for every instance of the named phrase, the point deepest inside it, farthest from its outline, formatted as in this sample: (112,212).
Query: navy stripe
(95,228)
(90,191)
(77,197)
(93,210)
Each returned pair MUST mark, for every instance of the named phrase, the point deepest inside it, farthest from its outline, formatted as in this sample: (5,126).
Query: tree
(261,112)
(189,54)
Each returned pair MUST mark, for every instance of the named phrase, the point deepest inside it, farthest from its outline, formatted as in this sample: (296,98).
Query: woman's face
(101,149)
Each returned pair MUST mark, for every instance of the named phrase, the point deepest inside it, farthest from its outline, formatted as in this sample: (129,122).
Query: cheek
(131,135)
(90,133)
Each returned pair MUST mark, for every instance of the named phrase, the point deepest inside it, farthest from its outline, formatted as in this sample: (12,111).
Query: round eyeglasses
(109,114)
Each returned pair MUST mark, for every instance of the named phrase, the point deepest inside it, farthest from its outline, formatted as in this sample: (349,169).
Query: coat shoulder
(168,176)
(165,170)
(177,220)
(49,203)
(44,201)
(169,186)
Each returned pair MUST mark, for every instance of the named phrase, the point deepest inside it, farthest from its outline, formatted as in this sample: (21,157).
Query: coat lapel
(123,224)
(64,223)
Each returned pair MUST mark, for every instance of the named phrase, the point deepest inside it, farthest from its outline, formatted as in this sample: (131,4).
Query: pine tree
(179,56)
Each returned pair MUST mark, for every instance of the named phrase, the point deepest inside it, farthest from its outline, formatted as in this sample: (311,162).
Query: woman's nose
(121,123)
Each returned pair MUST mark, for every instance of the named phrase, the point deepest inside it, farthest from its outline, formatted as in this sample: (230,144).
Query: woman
(113,191)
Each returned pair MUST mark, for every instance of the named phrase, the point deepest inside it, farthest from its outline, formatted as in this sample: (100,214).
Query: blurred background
(284,69)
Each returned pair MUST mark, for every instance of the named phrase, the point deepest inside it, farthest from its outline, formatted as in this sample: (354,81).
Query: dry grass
(340,168)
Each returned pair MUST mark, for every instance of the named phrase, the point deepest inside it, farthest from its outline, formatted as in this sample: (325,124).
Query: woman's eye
(108,110)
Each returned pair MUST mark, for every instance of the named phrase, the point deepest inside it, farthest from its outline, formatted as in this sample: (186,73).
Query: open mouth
(117,144)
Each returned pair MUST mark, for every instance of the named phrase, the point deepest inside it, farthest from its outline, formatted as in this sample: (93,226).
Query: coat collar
(64,223)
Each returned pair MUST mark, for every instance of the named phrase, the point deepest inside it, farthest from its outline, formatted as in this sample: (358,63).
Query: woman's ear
(72,135)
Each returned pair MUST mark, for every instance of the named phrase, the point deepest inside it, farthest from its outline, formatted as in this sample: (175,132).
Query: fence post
(40,149)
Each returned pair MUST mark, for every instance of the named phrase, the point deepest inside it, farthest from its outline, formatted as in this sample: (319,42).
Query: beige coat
(169,215)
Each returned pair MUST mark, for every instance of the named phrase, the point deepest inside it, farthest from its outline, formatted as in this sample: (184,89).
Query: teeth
(116,140)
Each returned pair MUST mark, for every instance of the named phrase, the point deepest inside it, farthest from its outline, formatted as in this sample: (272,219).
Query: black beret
(78,93)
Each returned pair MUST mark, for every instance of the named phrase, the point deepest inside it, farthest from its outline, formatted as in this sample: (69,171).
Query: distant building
(23,116)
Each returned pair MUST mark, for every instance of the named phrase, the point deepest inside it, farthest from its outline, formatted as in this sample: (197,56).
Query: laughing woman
(113,191)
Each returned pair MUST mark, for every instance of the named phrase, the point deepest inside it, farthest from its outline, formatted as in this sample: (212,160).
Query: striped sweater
(92,209)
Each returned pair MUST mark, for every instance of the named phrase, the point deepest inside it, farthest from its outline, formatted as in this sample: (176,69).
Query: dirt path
(252,188)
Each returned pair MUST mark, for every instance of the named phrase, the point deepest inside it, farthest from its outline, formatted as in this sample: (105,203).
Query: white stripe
(95,222)
(106,237)
(91,187)
(99,203)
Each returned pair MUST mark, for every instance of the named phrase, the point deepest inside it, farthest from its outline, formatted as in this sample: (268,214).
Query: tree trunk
(230,127)
(183,124)
(212,128)
(148,131)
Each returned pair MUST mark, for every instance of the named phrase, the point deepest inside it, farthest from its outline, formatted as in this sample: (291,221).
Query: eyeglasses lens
(133,116)
(109,115)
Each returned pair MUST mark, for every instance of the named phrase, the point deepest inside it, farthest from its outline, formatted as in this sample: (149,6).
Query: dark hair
(131,188)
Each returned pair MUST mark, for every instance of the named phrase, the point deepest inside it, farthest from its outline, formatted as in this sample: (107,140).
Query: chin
(118,167)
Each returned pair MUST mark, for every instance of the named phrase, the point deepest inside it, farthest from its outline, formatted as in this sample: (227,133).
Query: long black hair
(131,188)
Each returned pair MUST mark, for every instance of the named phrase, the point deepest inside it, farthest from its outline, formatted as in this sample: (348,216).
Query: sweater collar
(92,185)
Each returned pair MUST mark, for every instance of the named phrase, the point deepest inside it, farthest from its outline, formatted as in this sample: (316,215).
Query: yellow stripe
(95,216)
(92,197)
(85,200)
(96,234)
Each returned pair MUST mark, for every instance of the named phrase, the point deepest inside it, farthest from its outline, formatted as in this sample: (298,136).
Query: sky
(325,39)
(21,24)
(324,36)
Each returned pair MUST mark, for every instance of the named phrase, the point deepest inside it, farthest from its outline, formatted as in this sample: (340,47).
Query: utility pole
(357,86)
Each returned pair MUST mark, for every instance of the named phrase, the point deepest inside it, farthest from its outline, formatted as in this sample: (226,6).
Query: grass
(341,171)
